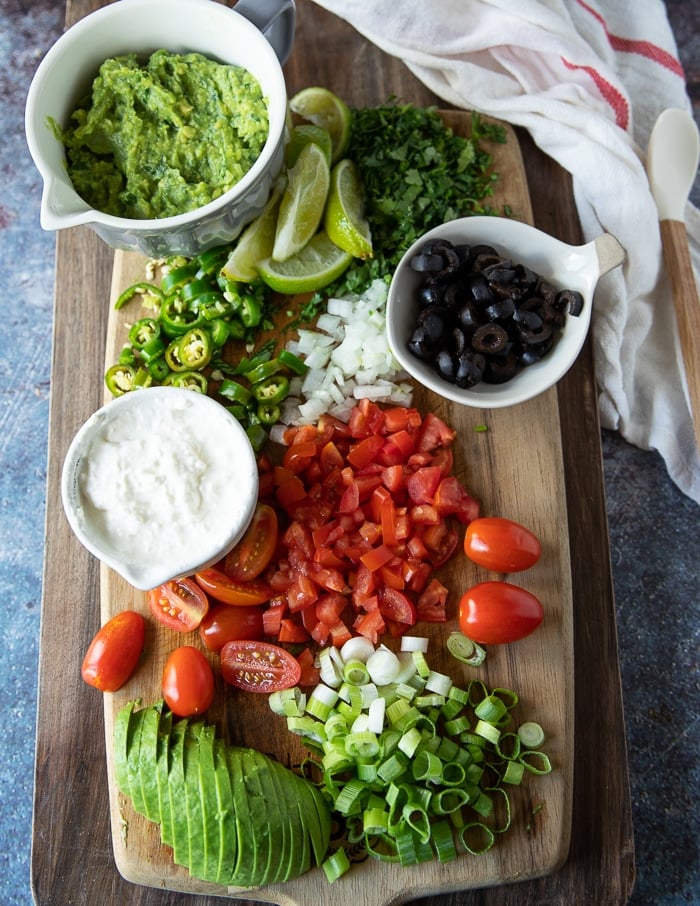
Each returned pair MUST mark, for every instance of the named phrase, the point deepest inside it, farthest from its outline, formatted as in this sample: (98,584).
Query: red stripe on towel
(609,93)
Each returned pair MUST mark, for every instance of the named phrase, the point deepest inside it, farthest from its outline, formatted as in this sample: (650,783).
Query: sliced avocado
(243,872)
(146,759)
(193,801)
(161,772)
(300,852)
(206,771)
(318,818)
(176,785)
(123,730)
(228,845)
(132,761)
(285,867)
(265,818)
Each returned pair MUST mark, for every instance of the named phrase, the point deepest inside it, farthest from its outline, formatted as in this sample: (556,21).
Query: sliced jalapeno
(235,392)
(257,436)
(262,371)
(176,317)
(250,311)
(149,295)
(178,276)
(272,389)
(188,380)
(120,379)
(158,369)
(143,331)
(219,332)
(293,362)
(269,413)
(195,348)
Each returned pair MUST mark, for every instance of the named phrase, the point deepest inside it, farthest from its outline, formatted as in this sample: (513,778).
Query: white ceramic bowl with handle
(565,266)
(142,27)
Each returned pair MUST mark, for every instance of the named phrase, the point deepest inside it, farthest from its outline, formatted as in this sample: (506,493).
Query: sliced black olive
(434,321)
(571,300)
(458,341)
(430,294)
(469,316)
(480,290)
(455,294)
(501,272)
(500,310)
(490,338)
(426,263)
(531,337)
(419,345)
(445,365)
(545,290)
(500,369)
(531,320)
(469,371)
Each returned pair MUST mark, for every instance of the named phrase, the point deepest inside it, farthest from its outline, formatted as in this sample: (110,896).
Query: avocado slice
(145,756)
(176,785)
(123,731)
(194,809)
(132,761)
(287,856)
(160,769)
(226,818)
(300,850)
(242,874)
(264,813)
(317,818)
(210,807)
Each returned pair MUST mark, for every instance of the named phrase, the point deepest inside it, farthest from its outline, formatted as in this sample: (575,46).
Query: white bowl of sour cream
(159,483)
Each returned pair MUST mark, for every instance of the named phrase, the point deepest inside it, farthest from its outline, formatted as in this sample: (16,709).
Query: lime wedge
(315,266)
(344,218)
(303,202)
(323,108)
(256,240)
(303,135)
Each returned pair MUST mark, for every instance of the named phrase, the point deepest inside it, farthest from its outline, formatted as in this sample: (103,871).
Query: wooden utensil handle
(687,304)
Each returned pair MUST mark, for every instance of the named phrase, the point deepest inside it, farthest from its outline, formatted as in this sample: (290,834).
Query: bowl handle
(276,19)
(610,252)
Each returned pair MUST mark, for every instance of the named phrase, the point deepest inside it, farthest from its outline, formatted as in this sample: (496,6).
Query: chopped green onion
(536,762)
(531,734)
(336,865)
(356,673)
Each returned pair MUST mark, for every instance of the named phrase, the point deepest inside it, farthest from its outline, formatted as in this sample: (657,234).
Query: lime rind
(319,263)
(344,219)
(303,203)
(256,240)
(303,135)
(324,108)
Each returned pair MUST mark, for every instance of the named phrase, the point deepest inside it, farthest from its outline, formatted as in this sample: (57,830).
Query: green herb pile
(417,174)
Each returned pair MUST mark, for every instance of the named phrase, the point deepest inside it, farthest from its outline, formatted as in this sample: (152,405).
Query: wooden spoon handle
(685,297)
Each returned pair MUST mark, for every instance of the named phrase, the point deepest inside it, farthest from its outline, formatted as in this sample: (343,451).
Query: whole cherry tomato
(501,544)
(224,624)
(254,551)
(114,653)
(258,666)
(188,682)
(179,604)
(492,613)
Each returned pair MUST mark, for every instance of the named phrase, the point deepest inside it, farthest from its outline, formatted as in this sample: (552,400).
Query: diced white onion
(383,666)
(414,643)
(357,648)
(375,716)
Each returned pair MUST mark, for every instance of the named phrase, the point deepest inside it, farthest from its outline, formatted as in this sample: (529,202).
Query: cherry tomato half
(493,613)
(188,682)
(501,544)
(114,653)
(225,589)
(179,604)
(224,624)
(258,666)
(254,551)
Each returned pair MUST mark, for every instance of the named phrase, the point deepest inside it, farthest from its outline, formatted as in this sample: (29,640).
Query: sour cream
(160,483)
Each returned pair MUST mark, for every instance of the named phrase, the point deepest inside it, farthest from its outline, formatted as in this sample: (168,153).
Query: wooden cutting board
(515,469)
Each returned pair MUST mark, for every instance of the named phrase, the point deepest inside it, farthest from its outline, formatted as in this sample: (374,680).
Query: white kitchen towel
(587,79)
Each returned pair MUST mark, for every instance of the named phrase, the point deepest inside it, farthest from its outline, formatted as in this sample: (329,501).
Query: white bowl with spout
(565,266)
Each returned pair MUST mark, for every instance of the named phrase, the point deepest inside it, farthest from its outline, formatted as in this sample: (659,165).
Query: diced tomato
(397,606)
(290,491)
(399,418)
(423,484)
(371,625)
(365,451)
(441,542)
(290,631)
(376,557)
(329,608)
(431,605)
(310,673)
(434,433)
(301,593)
(451,499)
(394,479)
(425,514)
(350,501)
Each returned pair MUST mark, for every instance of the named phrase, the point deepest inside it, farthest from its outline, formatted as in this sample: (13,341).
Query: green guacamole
(166,137)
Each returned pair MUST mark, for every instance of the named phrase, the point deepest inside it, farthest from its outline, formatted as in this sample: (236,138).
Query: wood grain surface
(529,488)
(72,859)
